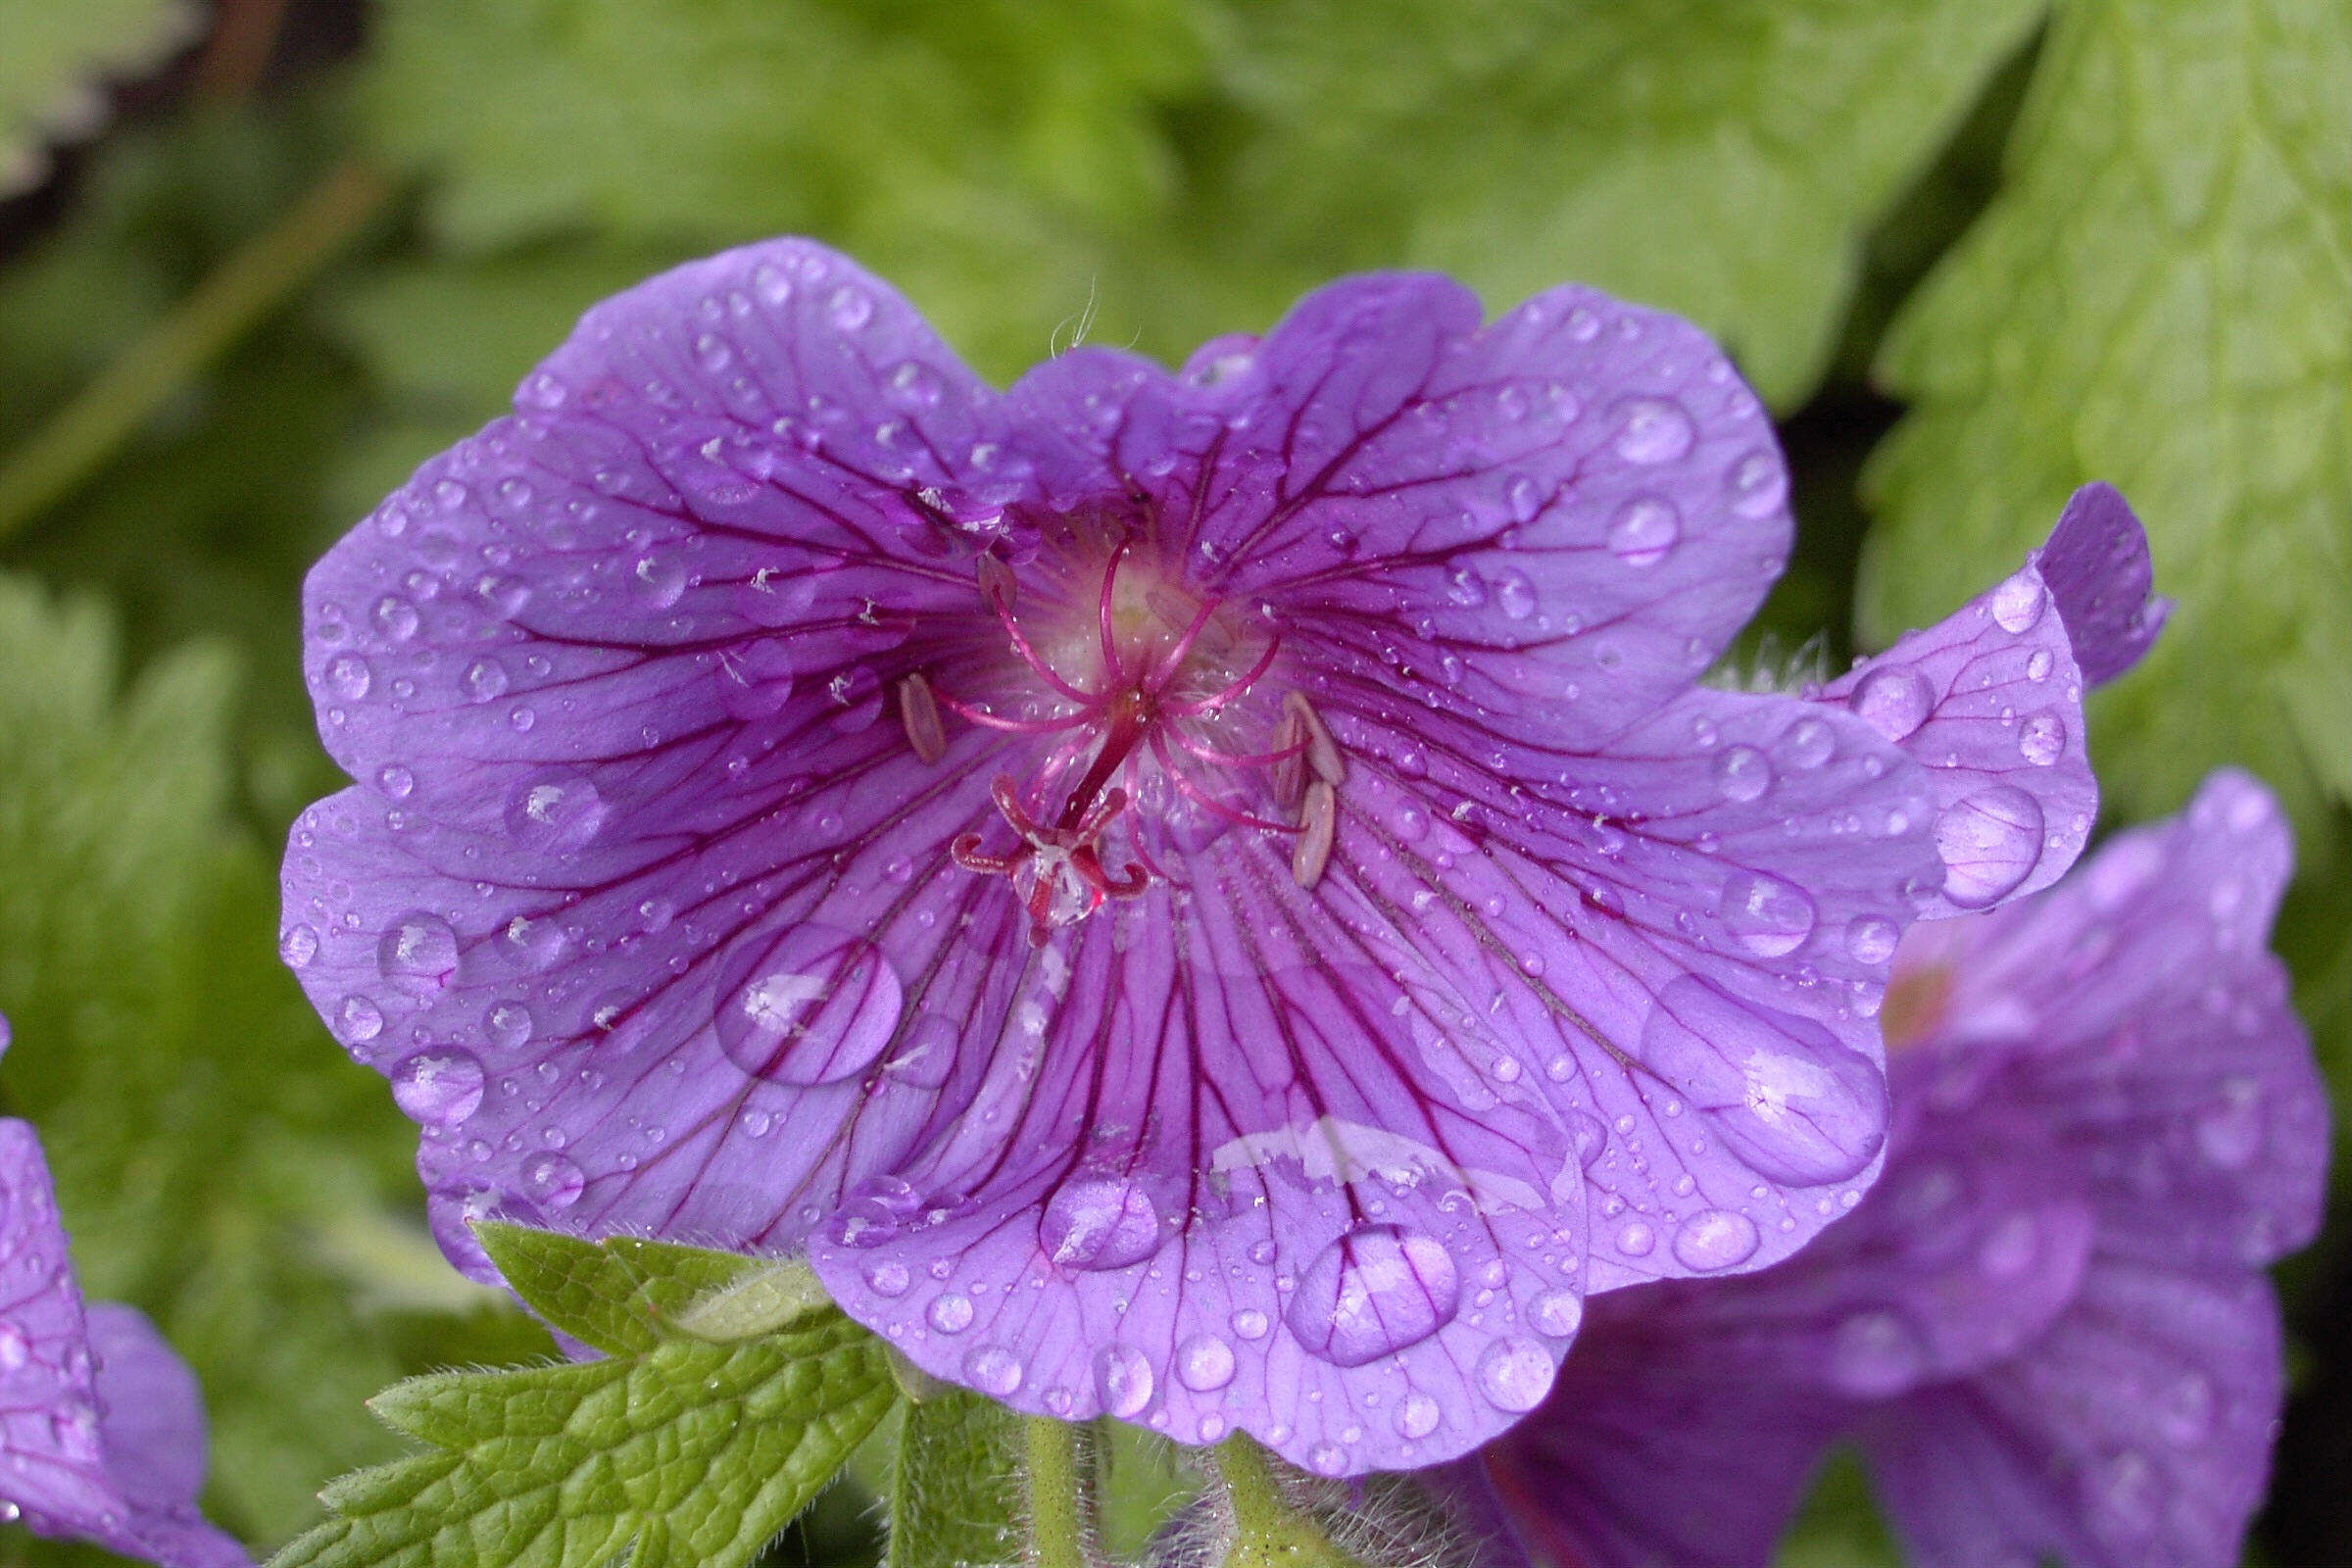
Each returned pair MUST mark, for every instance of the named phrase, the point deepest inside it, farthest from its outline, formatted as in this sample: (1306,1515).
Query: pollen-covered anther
(1323,756)
(918,711)
(1318,820)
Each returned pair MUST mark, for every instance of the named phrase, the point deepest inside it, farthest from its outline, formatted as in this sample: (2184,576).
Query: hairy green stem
(1268,1532)
(1062,1492)
(254,281)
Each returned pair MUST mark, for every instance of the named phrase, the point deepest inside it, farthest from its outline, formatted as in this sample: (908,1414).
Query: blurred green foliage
(2144,274)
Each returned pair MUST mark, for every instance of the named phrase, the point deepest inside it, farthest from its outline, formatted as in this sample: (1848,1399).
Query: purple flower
(2047,1327)
(101,1426)
(1210,897)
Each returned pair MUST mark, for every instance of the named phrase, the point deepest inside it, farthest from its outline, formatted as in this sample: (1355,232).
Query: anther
(1289,775)
(1323,754)
(1318,820)
(918,711)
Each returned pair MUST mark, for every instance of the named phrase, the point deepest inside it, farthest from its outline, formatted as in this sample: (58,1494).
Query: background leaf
(54,62)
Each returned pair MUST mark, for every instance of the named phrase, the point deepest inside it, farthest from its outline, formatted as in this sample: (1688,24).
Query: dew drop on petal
(14,1348)
(1515,594)
(1372,1291)
(2122,1495)
(1715,1237)
(1251,1324)
(1644,531)
(755,680)
(2041,738)
(811,1006)
(1515,1374)
(2009,1247)
(1989,841)
(2016,603)
(1766,915)
(1742,774)
(1099,1223)
(1418,1416)
(1558,1314)
(553,1181)
(1205,1363)
(299,944)
(850,308)
(1807,745)
(349,678)
(1123,1380)
(887,1277)
(993,1370)
(357,1019)
(419,952)
(951,1312)
(1654,431)
(1892,699)
(557,811)
(1759,483)
(1870,940)
(1873,1355)
(439,1087)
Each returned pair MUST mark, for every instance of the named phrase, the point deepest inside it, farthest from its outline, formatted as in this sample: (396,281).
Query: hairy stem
(260,276)
(1062,1492)
(1268,1532)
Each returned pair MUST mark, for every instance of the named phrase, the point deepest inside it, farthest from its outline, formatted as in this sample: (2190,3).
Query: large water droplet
(1644,531)
(439,1087)
(553,1181)
(357,1019)
(1715,1237)
(1741,773)
(1418,1416)
(850,308)
(298,946)
(559,811)
(1654,431)
(1782,1094)
(1989,841)
(1558,1314)
(1870,940)
(1873,1355)
(812,1006)
(14,1348)
(1807,745)
(755,680)
(1515,594)
(1766,915)
(993,1370)
(418,953)
(2016,603)
(1374,1290)
(1205,1363)
(349,678)
(1892,699)
(2041,738)
(659,580)
(1514,1374)
(1123,1380)
(1099,1223)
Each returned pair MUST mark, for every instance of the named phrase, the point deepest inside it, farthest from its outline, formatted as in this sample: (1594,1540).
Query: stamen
(997,586)
(1290,774)
(1029,655)
(1323,754)
(1106,621)
(1217,699)
(1200,797)
(1019,727)
(1275,759)
(1173,660)
(1318,820)
(919,713)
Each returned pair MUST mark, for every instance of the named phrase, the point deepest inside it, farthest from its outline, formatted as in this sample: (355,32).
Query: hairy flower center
(1154,704)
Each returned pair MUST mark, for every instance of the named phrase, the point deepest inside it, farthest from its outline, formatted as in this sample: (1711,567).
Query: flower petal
(1642,1458)
(2136,1432)
(101,1432)
(1581,504)
(2099,568)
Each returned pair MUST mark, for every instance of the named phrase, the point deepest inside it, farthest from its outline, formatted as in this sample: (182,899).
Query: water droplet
(850,308)
(1123,1380)
(559,813)
(1873,1356)
(359,1019)
(812,1006)
(1205,1363)
(2185,1411)
(1892,699)
(1764,914)
(1374,1290)
(887,1277)
(509,1024)
(418,953)
(2016,603)
(1989,842)
(993,1370)
(553,1181)
(2120,1493)
(298,946)
(1418,1416)
(2229,1132)
(1327,1458)
(349,678)
(1636,1239)
(439,1087)
(1514,1374)
(1644,531)
(1715,1237)
(1870,940)
(951,1312)
(484,680)
(1741,773)
(396,618)
(1515,594)
(2009,1247)
(1807,745)
(15,1349)
(2038,664)
(1558,1314)
(2041,738)
(1251,1324)
(1758,483)
(396,782)
(1654,431)
(1099,1223)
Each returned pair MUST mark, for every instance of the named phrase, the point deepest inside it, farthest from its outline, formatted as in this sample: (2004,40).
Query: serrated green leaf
(1722,160)
(574,1284)
(54,64)
(687,1455)
(2161,296)
(956,1492)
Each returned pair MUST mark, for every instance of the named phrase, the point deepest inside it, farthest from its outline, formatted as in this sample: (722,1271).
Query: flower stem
(256,279)
(1062,1492)
(1268,1532)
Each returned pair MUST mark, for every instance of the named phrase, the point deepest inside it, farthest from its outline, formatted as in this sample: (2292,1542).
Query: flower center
(1158,716)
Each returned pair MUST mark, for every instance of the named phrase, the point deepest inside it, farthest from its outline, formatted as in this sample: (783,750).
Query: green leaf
(578,1286)
(1839,1526)
(683,1455)
(955,1495)
(626,1294)
(2160,296)
(1725,162)
(54,60)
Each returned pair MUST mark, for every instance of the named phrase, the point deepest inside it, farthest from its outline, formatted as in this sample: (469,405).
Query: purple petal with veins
(1208,897)
(2047,1327)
